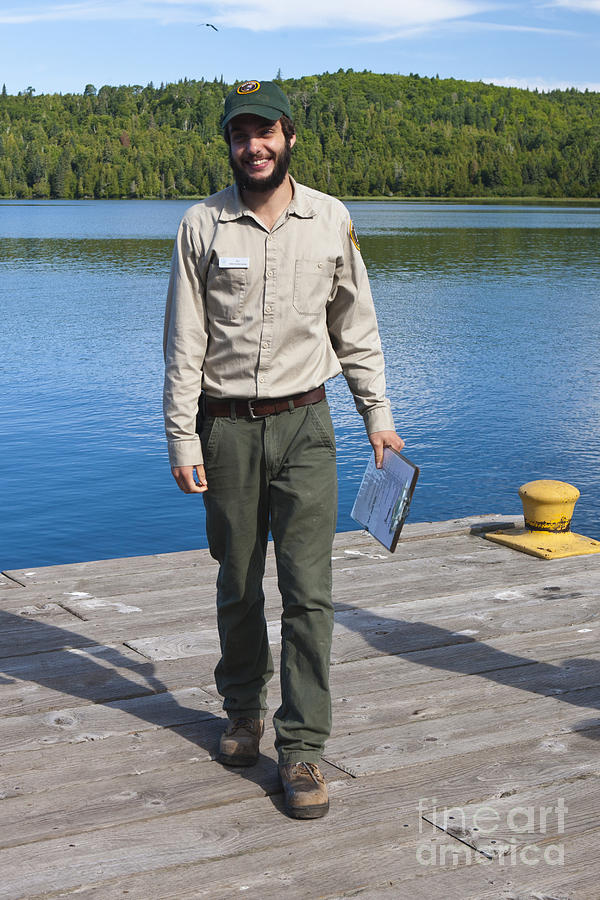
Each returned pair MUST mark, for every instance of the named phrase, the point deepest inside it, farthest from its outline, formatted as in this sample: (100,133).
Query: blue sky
(62,46)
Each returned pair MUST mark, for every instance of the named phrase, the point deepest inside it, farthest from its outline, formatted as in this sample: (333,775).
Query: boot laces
(311,769)
(242,724)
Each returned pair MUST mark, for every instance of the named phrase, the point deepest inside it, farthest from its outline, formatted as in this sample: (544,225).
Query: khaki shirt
(253,313)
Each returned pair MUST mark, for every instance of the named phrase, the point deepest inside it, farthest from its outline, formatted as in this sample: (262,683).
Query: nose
(253,145)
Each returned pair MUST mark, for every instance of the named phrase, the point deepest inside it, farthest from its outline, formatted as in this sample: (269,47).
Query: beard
(247,182)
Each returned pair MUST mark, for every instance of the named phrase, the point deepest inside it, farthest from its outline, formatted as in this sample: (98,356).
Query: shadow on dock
(101,683)
(560,682)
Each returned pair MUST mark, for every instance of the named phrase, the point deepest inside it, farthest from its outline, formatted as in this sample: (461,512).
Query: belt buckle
(251,410)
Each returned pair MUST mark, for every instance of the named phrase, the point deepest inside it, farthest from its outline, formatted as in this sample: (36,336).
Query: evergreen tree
(359,134)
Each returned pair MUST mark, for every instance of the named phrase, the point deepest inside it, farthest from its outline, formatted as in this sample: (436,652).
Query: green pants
(279,473)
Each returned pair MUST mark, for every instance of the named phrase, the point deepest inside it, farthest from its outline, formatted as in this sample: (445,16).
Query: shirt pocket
(313,282)
(226,292)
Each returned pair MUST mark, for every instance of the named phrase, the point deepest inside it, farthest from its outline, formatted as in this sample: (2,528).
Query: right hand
(184,476)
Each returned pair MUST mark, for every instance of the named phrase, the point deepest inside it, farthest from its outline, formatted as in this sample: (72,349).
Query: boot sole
(308,812)
(237,760)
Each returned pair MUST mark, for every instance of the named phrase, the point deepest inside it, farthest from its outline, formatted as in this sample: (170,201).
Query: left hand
(381,439)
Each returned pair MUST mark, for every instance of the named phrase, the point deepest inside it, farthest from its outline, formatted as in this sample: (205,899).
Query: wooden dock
(463,761)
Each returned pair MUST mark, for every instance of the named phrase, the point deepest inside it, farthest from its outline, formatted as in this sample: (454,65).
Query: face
(259,154)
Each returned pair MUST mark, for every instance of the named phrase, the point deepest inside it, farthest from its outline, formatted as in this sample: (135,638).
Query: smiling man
(268,299)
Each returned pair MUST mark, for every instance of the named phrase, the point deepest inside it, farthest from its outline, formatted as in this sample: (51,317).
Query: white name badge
(234,262)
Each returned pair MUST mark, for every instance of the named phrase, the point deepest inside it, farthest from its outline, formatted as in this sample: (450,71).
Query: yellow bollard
(548,509)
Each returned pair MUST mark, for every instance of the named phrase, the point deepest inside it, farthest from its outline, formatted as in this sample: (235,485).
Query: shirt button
(265,345)
(320,266)
(268,308)
(261,379)
(269,274)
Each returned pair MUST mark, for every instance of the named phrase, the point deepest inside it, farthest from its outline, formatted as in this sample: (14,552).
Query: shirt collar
(234,208)
(300,205)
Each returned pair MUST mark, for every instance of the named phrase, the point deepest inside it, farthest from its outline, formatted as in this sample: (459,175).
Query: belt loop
(291,406)
(232,410)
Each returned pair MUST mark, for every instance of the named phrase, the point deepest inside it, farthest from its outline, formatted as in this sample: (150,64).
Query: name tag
(234,262)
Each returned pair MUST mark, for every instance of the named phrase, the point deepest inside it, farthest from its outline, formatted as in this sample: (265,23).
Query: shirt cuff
(186,453)
(378,418)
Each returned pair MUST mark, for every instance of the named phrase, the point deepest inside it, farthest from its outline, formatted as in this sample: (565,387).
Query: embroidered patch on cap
(248,87)
(354,236)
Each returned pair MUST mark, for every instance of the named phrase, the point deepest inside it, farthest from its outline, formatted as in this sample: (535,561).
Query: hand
(381,439)
(184,476)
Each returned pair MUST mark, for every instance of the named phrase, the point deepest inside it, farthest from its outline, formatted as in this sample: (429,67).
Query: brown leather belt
(258,409)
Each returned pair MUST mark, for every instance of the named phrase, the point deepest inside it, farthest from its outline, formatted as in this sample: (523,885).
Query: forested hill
(359,134)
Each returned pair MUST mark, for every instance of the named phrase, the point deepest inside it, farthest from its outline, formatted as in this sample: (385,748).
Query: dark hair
(287,126)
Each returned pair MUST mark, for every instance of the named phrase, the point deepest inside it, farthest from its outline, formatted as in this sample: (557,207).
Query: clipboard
(384,496)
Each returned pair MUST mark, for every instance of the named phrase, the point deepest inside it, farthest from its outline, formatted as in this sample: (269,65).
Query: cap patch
(354,236)
(248,87)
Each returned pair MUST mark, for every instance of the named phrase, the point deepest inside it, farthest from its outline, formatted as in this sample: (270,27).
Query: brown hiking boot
(239,743)
(305,790)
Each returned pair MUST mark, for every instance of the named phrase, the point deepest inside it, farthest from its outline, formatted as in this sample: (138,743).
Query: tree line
(359,134)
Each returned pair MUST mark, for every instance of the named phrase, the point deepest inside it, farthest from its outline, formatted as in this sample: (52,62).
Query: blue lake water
(490,320)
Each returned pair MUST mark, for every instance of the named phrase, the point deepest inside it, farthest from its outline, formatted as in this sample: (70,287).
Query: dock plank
(408,625)
(378,811)
(132,586)
(98,802)
(98,721)
(365,752)
(354,712)
(277,872)
(96,674)
(119,619)
(464,673)
(201,557)
(470,658)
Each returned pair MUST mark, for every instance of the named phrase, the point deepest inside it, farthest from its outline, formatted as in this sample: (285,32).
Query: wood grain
(464,674)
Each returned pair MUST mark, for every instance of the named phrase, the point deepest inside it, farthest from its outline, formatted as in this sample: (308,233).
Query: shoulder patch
(248,87)
(354,236)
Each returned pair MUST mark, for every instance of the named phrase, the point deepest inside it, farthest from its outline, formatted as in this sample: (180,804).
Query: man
(269,298)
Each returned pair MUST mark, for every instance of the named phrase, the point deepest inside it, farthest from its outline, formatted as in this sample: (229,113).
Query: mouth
(257,165)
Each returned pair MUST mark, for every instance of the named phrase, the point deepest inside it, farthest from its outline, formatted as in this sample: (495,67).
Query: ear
(292,140)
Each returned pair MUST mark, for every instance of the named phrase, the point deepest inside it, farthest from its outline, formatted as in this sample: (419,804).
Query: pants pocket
(320,418)
(209,435)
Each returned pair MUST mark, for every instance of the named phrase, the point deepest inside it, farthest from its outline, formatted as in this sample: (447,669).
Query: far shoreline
(487,200)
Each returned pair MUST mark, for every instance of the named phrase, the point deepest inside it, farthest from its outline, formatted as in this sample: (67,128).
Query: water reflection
(130,255)
(476,253)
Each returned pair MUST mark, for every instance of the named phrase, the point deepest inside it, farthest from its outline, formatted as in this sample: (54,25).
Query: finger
(201,483)
(378,448)
(185,480)
(190,486)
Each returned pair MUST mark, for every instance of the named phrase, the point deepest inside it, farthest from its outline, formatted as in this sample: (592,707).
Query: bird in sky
(208,25)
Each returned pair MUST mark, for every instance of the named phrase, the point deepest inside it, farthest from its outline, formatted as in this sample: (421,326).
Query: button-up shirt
(253,313)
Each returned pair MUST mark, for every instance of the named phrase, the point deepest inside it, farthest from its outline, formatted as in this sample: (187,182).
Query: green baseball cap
(259,98)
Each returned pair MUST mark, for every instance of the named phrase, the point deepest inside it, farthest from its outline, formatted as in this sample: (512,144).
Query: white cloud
(542,84)
(462,26)
(257,15)
(583,5)
(498,26)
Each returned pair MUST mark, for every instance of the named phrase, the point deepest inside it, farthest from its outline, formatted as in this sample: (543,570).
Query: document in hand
(383,499)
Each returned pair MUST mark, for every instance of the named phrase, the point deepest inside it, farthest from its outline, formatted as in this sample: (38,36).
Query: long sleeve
(185,341)
(354,335)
